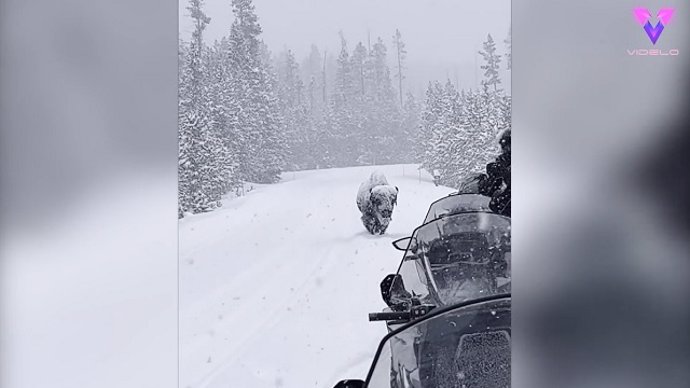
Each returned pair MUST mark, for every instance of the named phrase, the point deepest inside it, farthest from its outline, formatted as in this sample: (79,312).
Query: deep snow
(275,286)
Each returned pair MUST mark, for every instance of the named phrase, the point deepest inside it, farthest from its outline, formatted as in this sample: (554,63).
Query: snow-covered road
(275,286)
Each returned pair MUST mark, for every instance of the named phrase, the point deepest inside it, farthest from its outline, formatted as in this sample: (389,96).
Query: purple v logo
(654,32)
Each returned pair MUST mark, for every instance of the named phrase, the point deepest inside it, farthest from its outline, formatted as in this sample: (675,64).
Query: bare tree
(323,74)
(509,49)
(401,55)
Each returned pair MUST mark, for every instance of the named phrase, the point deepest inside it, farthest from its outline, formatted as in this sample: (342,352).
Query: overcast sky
(442,36)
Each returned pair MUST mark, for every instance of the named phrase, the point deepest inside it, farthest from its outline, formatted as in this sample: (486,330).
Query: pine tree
(401,55)
(342,91)
(201,168)
(290,85)
(409,128)
(382,86)
(477,137)
(458,132)
(195,54)
(446,156)
(384,116)
(359,106)
(492,63)
(430,119)
(312,68)
(342,142)
(323,79)
(222,105)
(295,110)
(262,150)
(358,63)
(509,49)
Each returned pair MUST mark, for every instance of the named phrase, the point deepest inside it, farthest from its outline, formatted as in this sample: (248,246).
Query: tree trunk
(324,76)
(400,75)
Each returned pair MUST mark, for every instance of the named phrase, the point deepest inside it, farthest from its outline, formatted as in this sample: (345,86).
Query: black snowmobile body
(463,345)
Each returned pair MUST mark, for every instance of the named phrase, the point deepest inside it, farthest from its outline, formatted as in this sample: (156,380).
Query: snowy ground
(275,286)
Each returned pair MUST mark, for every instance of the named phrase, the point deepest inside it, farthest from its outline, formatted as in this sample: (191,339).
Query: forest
(246,114)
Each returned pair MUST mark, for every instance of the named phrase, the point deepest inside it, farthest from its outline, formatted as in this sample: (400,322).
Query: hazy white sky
(442,36)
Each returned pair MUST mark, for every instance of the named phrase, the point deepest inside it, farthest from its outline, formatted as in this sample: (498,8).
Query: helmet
(504,142)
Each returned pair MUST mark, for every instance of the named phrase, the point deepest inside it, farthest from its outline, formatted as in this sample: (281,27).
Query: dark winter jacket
(496,182)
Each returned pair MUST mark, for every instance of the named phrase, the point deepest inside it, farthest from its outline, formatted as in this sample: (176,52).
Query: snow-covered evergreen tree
(202,174)
(342,90)
(362,122)
(477,138)
(459,131)
(359,70)
(409,128)
(432,115)
(342,144)
(385,119)
(492,63)
(262,143)
(222,109)
(311,70)
(299,122)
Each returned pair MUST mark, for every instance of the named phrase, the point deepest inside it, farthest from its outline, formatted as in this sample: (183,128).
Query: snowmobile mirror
(401,244)
(350,384)
(393,291)
(386,284)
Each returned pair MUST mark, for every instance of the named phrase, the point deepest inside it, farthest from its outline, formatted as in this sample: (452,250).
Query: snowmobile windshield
(413,281)
(466,345)
(457,203)
(463,256)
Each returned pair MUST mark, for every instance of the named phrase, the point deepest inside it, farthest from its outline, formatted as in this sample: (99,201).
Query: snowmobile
(449,304)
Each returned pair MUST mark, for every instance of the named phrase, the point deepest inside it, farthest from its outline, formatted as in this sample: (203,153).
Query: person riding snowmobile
(495,182)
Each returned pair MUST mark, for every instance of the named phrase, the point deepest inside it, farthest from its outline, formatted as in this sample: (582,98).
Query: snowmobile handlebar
(412,313)
(390,316)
